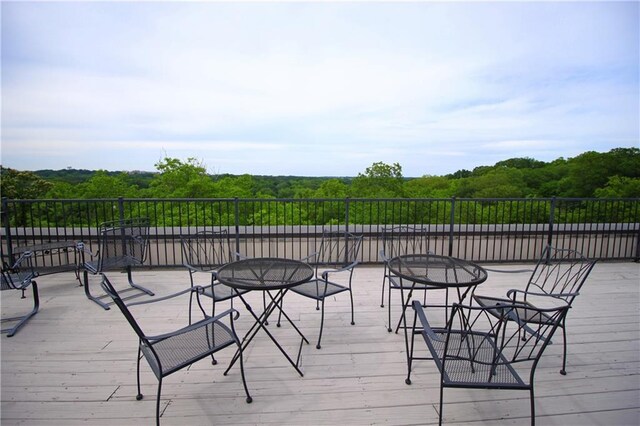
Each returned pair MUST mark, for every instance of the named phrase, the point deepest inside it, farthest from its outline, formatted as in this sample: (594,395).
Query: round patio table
(435,271)
(269,275)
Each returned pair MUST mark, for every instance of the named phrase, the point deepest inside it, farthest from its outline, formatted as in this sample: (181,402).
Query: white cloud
(283,86)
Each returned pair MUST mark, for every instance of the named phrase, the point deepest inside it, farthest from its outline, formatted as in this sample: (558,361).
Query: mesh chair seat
(119,262)
(17,281)
(188,345)
(397,283)
(219,292)
(530,315)
(485,370)
(315,289)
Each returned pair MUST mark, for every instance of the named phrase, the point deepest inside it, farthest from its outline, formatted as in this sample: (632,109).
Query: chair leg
(384,281)
(564,350)
(158,402)
(533,407)
(139,396)
(23,320)
(410,348)
(441,405)
(321,325)
(389,329)
(353,322)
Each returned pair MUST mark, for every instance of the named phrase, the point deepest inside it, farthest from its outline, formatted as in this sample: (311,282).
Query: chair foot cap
(389,330)
(138,397)
(407,381)
(318,346)
(563,372)
(249,400)
(353,323)
(214,362)
(278,325)
(382,306)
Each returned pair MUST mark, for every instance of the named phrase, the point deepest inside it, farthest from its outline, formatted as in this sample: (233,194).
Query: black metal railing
(484,230)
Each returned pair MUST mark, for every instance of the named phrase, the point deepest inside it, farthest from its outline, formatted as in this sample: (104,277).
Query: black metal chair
(557,279)
(122,244)
(336,256)
(487,347)
(398,241)
(19,277)
(205,252)
(169,352)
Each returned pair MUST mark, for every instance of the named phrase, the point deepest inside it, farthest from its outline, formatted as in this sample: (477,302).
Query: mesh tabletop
(437,270)
(264,273)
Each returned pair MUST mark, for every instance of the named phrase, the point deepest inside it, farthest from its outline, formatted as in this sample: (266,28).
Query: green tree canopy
(22,185)
(380,180)
(178,179)
(103,185)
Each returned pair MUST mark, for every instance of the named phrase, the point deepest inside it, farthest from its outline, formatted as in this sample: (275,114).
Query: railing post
(120,208)
(552,214)
(236,218)
(452,219)
(7,228)
(347,203)
(637,257)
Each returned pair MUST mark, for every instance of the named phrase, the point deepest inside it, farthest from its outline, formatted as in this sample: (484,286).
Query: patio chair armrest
(82,247)
(326,273)
(507,271)
(190,267)
(24,257)
(515,291)
(426,327)
(201,323)
(306,258)
(198,289)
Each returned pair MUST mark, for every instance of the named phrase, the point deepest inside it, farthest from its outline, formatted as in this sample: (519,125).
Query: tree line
(613,174)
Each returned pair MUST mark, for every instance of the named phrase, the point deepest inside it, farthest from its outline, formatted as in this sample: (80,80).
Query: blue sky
(316,88)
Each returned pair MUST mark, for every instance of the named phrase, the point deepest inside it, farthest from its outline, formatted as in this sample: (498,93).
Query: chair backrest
(123,243)
(561,272)
(489,341)
(338,249)
(207,250)
(404,239)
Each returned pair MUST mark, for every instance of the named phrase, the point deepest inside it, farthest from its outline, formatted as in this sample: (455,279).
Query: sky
(315,88)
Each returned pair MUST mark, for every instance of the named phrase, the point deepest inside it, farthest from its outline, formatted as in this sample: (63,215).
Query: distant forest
(602,175)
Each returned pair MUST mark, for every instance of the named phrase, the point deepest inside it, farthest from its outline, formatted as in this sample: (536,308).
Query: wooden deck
(74,363)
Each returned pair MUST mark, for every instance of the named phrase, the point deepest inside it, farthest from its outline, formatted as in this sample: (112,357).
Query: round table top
(437,270)
(265,273)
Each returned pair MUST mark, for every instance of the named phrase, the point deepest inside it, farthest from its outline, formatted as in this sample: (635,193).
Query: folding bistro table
(273,276)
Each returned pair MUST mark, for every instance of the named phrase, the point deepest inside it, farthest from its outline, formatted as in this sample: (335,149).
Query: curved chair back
(338,249)
(206,250)
(560,272)
(404,239)
(123,243)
